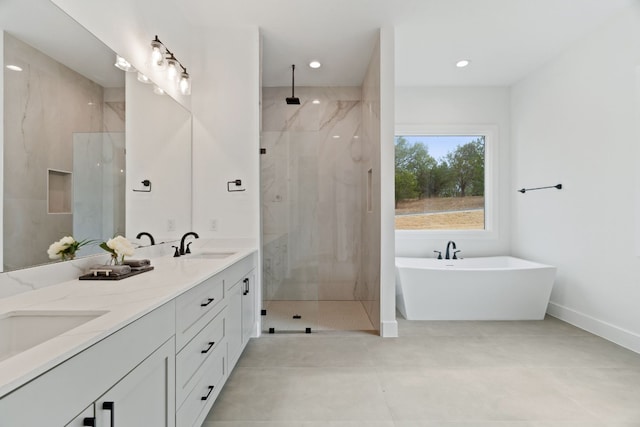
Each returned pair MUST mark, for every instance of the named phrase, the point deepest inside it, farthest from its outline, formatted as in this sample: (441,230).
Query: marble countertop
(124,301)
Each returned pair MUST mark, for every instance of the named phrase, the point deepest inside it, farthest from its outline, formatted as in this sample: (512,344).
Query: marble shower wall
(311,193)
(44,105)
(368,287)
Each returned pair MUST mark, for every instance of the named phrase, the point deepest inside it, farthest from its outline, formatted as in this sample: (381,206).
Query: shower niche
(59,191)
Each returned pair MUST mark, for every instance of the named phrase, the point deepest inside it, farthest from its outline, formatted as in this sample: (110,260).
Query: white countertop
(124,301)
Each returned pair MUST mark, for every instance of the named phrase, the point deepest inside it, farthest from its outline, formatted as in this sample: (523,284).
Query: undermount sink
(22,330)
(210,255)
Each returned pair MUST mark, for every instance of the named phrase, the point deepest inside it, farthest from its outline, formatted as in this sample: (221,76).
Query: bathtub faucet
(449,244)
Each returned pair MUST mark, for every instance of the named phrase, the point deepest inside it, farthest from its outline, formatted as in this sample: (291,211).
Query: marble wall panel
(368,285)
(44,105)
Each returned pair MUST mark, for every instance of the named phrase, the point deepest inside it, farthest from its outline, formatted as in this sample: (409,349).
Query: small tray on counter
(91,276)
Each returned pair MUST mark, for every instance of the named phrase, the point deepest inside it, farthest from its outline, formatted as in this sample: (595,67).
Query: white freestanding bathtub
(491,288)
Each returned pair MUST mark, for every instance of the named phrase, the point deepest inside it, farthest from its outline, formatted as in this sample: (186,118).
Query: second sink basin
(22,330)
(210,255)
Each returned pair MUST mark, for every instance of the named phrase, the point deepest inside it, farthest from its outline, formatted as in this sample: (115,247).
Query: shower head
(293,100)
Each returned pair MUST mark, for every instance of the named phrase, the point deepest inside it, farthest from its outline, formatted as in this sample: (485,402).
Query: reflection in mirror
(64,170)
(64,140)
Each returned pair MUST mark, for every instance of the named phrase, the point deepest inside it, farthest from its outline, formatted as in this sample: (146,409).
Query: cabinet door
(145,397)
(234,323)
(248,307)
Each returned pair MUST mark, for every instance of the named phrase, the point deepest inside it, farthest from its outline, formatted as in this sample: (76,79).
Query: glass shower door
(289,179)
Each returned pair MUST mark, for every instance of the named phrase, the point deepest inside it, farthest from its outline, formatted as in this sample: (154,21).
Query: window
(443,179)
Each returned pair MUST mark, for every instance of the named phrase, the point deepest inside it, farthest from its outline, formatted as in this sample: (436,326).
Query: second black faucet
(191,233)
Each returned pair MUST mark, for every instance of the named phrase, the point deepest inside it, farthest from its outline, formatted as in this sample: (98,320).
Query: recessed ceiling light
(462,63)
(315,64)
(14,67)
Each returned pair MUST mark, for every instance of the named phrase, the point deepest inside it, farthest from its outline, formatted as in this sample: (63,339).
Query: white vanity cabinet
(215,338)
(133,368)
(164,369)
(144,397)
(242,312)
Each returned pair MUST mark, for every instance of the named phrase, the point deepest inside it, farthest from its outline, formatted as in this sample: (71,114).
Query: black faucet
(191,233)
(144,233)
(450,243)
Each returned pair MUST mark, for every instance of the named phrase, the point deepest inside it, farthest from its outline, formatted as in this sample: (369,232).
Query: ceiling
(504,39)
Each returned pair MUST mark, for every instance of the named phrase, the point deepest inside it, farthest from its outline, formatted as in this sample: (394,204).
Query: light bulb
(185,84)
(143,79)
(157,54)
(123,64)
(158,90)
(172,68)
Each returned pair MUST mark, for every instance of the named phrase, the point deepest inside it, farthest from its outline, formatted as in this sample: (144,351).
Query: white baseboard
(389,329)
(613,333)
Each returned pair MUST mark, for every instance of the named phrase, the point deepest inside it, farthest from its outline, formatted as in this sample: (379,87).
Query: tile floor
(436,374)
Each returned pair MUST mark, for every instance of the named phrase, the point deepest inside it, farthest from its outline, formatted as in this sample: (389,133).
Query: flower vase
(114,260)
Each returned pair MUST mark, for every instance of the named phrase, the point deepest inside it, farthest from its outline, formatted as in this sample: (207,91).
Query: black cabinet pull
(211,344)
(208,394)
(209,301)
(111,407)
(246,286)
(91,422)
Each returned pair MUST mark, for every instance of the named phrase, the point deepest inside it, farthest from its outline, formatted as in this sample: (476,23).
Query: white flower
(67,241)
(55,250)
(121,246)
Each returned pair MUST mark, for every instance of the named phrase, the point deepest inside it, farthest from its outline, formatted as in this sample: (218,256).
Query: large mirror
(68,116)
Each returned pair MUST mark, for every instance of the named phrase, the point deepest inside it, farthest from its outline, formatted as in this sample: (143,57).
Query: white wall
(226,134)
(466,106)
(158,141)
(575,122)
(388,323)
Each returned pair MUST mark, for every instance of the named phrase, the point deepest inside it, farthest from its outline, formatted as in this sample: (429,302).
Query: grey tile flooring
(436,374)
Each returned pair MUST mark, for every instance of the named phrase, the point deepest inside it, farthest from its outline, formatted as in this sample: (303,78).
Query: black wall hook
(524,190)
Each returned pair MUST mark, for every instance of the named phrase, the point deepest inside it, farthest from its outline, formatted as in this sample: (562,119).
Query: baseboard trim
(613,333)
(389,329)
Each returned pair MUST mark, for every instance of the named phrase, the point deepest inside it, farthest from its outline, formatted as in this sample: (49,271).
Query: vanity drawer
(195,354)
(196,307)
(210,382)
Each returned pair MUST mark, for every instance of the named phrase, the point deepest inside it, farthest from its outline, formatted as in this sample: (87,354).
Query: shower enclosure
(312,202)
(98,186)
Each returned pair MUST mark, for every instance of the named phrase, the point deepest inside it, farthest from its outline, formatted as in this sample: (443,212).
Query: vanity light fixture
(158,54)
(123,64)
(315,64)
(162,58)
(172,68)
(14,67)
(462,63)
(185,83)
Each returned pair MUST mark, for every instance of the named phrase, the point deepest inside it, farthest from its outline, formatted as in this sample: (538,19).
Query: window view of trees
(444,190)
